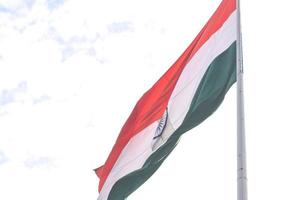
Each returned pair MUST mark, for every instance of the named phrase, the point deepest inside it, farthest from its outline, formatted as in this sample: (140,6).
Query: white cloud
(3,9)
(118,27)
(16,8)
(3,158)
(53,4)
(41,99)
(38,162)
(11,95)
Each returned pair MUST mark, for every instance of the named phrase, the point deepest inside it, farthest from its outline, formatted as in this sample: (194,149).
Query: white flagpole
(241,146)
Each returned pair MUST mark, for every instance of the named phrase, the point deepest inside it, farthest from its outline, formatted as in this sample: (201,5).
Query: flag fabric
(189,92)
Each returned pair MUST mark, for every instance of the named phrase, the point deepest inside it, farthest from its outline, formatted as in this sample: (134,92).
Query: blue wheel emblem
(161,125)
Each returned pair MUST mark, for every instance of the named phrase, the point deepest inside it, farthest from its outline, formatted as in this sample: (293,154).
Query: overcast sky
(72,70)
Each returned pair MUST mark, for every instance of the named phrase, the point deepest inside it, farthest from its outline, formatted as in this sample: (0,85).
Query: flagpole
(241,144)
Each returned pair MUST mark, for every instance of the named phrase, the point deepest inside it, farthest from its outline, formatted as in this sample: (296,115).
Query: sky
(71,71)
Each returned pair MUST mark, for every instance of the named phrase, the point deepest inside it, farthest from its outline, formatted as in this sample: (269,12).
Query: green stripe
(210,93)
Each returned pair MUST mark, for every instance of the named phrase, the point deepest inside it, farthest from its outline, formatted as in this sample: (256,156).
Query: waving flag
(189,92)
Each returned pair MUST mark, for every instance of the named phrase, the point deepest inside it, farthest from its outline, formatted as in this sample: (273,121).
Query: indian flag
(189,92)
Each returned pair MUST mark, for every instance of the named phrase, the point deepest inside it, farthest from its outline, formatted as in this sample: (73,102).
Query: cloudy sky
(72,70)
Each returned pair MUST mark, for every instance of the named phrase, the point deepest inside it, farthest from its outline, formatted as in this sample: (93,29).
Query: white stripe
(139,148)
(194,71)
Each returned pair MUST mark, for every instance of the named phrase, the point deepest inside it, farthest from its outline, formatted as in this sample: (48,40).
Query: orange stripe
(153,103)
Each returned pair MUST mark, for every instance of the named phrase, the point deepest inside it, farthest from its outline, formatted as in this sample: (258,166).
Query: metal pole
(241,146)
